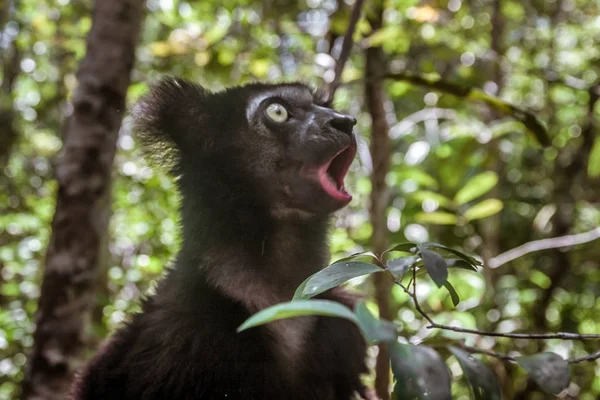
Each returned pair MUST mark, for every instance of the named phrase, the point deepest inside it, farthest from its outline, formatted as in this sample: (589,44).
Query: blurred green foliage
(461,175)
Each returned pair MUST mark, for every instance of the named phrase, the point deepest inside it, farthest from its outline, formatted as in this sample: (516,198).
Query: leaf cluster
(420,370)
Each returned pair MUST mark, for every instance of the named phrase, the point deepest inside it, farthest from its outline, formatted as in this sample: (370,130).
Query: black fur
(254,227)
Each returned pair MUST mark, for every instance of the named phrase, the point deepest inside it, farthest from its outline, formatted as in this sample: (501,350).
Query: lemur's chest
(290,341)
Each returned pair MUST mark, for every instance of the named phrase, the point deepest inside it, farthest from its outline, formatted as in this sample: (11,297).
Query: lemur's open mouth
(331,174)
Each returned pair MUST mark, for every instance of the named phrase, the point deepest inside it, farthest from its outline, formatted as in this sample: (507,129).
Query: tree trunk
(10,59)
(81,217)
(380,154)
(10,70)
(491,227)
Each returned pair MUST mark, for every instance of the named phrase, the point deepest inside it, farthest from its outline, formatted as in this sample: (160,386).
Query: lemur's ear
(172,121)
(321,97)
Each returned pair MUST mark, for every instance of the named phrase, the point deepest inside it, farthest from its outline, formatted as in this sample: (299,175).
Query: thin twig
(435,325)
(544,244)
(506,357)
(408,292)
(346,47)
(416,300)
(533,336)
(501,356)
(490,353)
(589,357)
(537,336)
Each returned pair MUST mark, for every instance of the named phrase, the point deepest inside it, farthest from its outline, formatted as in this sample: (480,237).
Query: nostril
(343,123)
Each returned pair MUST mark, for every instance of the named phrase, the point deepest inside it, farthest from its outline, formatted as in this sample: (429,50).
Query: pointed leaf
(477,186)
(375,330)
(399,266)
(594,160)
(462,255)
(482,380)
(332,276)
(365,254)
(483,209)
(548,370)
(451,263)
(415,174)
(459,263)
(453,294)
(301,308)
(422,195)
(436,217)
(420,373)
(407,247)
(436,266)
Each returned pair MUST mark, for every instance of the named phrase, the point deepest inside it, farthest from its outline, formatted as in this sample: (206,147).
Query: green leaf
(399,266)
(298,308)
(422,195)
(10,289)
(406,246)
(462,255)
(460,263)
(548,370)
(217,31)
(436,266)
(420,373)
(482,380)
(453,294)
(416,174)
(436,217)
(332,276)
(483,209)
(260,67)
(368,254)
(398,89)
(477,186)
(594,161)
(451,263)
(391,32)
(375,330)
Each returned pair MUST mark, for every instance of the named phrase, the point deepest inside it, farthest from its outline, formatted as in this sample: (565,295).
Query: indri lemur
(260,168)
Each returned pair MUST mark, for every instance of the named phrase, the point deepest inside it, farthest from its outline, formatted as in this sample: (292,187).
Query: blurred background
(540,55)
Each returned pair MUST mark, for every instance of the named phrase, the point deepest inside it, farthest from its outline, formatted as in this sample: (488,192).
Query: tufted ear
(321,97)
(171,121)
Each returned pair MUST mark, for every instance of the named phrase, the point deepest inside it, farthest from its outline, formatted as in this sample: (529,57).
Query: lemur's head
(277,144)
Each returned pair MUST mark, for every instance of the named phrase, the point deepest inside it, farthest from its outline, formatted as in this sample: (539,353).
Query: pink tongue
(330,187)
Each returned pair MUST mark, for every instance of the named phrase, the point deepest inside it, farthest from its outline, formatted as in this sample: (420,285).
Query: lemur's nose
(343,123)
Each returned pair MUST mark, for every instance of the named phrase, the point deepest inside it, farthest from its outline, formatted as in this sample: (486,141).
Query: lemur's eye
(277,112)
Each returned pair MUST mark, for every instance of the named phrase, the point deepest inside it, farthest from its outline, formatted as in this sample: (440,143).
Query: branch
(415,299)
(589,357)
(435,325)
(346,47)
(544,244)
(490,353)
(537,336)
(506,357)
(412,295)
(501,356)
(470,93)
